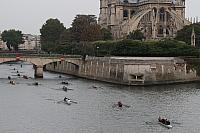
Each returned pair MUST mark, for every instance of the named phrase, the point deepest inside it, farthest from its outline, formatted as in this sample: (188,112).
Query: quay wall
(129,70)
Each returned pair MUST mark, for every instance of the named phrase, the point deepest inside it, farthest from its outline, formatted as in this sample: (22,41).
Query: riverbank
(139,71)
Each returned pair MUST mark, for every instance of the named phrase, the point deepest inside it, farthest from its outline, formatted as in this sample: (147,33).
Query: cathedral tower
(157,19)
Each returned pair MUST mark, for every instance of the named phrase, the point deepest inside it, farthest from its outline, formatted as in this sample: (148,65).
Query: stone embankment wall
(129,70)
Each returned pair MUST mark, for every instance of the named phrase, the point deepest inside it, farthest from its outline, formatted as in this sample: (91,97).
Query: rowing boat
(167,126)
(68,102)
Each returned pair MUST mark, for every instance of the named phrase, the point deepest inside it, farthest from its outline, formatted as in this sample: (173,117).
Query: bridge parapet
(40,61)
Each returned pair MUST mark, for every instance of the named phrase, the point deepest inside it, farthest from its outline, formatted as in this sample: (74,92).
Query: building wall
(133,71)
(31,42)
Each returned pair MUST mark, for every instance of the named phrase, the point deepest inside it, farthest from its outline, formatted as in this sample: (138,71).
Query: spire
(193,38)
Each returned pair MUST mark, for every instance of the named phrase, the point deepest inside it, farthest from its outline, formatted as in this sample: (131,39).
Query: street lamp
(97,51)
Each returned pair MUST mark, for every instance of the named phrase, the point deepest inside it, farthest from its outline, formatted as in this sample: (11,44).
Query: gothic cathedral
(157,19)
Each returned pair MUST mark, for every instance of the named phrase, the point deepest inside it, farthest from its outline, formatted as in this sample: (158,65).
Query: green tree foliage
(85,28)
(65,37)
(136,35)
(106,34)
(12,38)
(55,38)
(145,48)
(185,34)
(51,33)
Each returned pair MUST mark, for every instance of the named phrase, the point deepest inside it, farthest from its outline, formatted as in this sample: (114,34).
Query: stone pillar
(165,25)
(162,69)
(38,71)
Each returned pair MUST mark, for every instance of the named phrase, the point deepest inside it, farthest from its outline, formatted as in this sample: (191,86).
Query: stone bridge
(40,61)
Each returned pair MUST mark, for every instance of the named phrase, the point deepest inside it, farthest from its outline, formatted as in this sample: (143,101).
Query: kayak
(167,126)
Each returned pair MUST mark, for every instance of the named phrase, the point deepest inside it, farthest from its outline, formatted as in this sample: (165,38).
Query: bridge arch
(40,62)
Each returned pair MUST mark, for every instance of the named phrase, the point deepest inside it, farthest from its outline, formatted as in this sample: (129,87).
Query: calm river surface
(25,108)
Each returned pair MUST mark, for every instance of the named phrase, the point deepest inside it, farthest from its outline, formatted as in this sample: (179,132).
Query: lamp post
(97,51)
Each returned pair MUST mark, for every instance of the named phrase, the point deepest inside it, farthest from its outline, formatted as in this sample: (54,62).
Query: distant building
(157,19)
(31,42)
(2,44)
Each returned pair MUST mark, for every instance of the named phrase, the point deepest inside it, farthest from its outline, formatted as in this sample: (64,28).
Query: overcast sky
(29,15)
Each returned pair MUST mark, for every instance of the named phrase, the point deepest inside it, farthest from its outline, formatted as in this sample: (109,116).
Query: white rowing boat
(68,102)
(167,126)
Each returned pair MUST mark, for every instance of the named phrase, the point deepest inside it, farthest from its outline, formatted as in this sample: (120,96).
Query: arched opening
(132,13)
(160,31)
(155,12)
(167,32)
(162,14)
(16,69)
(125,14)
(63,67)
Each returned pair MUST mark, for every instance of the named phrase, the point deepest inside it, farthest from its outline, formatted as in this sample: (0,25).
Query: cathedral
(156,19)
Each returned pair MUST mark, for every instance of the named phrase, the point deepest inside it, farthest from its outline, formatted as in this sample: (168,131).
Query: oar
(116,105)
(74,102)
(60,101)
(126,106)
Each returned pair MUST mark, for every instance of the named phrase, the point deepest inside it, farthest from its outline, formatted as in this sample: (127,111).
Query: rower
(65,99)
(119,104)
(25,77)
(36,83)
(12,82)
(63,82)
(65,88)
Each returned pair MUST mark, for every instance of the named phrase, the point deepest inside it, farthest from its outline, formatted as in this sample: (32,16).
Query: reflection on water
(30,108)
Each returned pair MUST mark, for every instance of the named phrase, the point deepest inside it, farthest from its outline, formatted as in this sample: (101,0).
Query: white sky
(29,15)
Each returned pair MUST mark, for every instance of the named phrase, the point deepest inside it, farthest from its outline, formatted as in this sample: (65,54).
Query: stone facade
(155,18)
(129,70)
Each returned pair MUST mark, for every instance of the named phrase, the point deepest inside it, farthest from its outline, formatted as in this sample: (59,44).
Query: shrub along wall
(144,48)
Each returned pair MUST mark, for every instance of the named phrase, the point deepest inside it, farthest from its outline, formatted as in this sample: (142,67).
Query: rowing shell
(167,126)
(68,102)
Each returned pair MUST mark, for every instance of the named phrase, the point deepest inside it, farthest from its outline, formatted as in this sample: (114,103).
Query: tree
(185,34)
(12,38)
(106,34)
(136,35)
(50,33)
(85,28)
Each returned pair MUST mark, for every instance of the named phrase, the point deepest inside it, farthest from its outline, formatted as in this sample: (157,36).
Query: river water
(25,108)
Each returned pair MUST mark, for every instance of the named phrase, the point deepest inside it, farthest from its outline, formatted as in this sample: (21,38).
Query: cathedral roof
(130,1)
(138,1)
(133,1)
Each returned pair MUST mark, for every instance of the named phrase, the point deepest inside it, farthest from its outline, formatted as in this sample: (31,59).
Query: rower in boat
(65,88)
(25,77)
(12,82)
(120,104)
(67,101)
(64,82)
(9,77)
(36,83)
(164,122)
